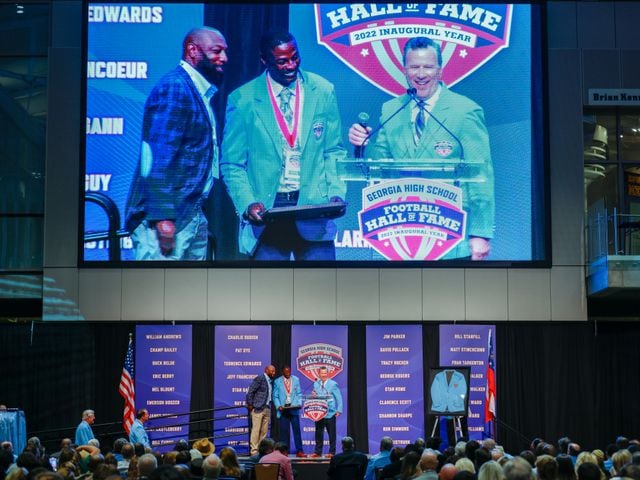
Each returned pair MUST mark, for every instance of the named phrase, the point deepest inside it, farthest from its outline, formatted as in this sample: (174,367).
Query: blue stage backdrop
(468,346)
(241,353)
(163,381)
(395,400)
(487,56)
(311,348)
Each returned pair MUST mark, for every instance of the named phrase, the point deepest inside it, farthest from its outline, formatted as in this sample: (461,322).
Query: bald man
(178,155)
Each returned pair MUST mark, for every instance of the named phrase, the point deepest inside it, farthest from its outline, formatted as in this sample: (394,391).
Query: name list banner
(395,397)
(311,348)
(467,346)
(163,381)
(241,354)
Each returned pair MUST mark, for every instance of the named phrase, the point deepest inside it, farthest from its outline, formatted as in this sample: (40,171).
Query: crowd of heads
(422,460)
(487,460)
(121,460)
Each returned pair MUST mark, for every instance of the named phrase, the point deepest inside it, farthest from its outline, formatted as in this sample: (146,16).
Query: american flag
(490,400)
(127,389)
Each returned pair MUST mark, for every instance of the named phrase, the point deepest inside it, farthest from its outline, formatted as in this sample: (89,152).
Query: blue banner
(241,353)
(163,381)
(467,346)
(395,400)
(313,347)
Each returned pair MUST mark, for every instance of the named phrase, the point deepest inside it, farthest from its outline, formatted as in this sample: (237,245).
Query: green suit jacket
(251,161)
(465,119)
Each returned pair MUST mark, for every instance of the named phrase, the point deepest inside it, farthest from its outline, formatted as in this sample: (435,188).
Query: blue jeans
(287,421)
(191,241)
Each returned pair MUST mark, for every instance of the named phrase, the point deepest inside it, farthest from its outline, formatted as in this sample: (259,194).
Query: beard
(210,72)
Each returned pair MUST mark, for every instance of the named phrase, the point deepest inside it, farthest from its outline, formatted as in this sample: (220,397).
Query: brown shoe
(315,455)
(329,455)
(301,455)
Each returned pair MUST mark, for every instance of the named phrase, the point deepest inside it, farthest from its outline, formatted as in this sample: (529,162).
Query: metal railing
(611,234)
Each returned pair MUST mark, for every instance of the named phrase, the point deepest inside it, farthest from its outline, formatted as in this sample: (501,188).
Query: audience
(418,460)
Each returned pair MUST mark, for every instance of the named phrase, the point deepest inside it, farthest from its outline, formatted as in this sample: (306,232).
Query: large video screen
(314,134)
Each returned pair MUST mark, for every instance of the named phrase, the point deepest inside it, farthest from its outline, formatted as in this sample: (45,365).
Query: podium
(13,427)
(315,408)
(451,170)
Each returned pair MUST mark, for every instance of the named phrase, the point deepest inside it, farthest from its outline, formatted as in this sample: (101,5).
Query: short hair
(529,456)
(211,466)
(165,472)
(282,447)
(147,463)
(465,464)
(183,457)
(347,443)
(127,451)
(386,444)
(266,445)
(491,471)
(588,471)
(94,442)
(547,467)
(416,43)
(428,460)
(271,39)
(87,413)
(141,412)
(518,469)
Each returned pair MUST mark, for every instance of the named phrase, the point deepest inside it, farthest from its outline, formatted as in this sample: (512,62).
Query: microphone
(421,104)
(363,118)
(411,92)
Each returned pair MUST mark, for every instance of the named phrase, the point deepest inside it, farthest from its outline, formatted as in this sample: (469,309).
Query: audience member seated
(546,467)
(409,467)
(230,464)
(280,455)
(265,447)
(349,456)
(491,471)
(379,460)
(518,469)
(211,467)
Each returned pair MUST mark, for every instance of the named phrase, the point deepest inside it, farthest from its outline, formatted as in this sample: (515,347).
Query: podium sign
(412,218)
(315,408)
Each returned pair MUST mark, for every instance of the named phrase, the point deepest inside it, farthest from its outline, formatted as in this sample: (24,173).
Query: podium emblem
(315,409)
(369,38)
(412,218)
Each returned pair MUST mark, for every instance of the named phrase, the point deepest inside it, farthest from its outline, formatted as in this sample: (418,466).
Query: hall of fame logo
(369,38)
(315,355)
(315,409)
(412,218)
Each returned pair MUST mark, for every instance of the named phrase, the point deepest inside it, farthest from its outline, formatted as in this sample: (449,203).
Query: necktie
(285,107)
(420,120)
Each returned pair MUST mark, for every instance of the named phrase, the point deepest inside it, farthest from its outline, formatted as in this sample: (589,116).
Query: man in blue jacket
(138,434)
(84,433)
(324,387)
(287,400)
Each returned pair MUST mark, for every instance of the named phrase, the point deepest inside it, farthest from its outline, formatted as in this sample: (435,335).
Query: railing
(611,234)
(114,233)
(201,423)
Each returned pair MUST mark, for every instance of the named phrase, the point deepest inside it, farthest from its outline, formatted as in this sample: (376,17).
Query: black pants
(330,425)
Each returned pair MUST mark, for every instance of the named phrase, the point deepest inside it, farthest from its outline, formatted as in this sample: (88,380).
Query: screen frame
(540,202)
